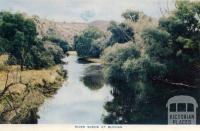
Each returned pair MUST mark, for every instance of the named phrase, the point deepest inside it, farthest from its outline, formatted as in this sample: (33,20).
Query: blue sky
(84,10)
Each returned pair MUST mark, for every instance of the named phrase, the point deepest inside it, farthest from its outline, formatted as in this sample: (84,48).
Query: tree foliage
(121,33)
(19,39)
(131,15)
(56,51)
(59,42)
(169,57)
(115,57)
(175,42)
(171,47)
(87,44)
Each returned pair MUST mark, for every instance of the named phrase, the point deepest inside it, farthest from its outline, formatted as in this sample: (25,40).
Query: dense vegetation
(163,55)
(22,92)
(172,46)
(92,42)
(131,15)
(18,38)
(121,33)
(87,43)
(145,60)
(59,42)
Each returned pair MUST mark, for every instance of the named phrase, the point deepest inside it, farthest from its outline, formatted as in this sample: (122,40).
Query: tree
(131,15)
(170,53)
(61,43)
(55,51)
(121,33)
(157,43)
(19,39)
(169,58)
(85,44)
(184,28)
(115,57)
(39,58)
(20,33)
(175,42)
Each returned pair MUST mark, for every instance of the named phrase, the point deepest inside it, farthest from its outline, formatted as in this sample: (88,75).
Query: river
(77,102)
(86,98)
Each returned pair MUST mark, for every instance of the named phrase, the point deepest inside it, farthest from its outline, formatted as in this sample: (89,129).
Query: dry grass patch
(32,77)
(94,60)
(38,76)
(32,87)
(3,59)
(74,53)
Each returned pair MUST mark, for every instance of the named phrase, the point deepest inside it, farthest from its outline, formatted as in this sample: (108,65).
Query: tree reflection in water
(93,77)
(142,103)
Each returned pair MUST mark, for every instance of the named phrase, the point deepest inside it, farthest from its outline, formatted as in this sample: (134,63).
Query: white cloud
(84,10)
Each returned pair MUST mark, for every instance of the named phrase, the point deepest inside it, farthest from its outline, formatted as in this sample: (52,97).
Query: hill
(65,30)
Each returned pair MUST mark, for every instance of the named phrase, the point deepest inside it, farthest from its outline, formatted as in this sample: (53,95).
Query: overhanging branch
(174,83)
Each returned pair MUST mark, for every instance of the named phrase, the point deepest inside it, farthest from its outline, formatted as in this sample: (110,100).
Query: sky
(85,10)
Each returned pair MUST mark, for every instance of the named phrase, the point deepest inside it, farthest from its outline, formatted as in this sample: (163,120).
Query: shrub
(59,42)
(121,33)
(18,38)
(131,15)
(85,43)
(55,51)
(115,57)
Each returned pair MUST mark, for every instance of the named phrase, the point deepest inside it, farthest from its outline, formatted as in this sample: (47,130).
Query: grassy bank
(22,92)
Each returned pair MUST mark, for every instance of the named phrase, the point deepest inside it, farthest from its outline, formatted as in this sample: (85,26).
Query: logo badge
(182,110)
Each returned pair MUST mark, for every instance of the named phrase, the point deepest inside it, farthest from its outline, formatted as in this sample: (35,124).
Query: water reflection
(75,103)
(83,61)
(139,103)
(93,77)
(82,98)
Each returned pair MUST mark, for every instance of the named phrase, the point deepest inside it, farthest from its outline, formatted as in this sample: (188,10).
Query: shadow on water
(83,61)
(139,103)
(135,103)
(82,97)
(131,103)
(93,77)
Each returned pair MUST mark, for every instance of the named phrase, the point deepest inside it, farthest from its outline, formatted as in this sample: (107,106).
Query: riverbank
(86,59)
(22,92)
(85,80)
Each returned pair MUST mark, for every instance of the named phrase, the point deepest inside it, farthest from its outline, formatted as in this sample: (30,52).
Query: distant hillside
(102,25)
(64,30)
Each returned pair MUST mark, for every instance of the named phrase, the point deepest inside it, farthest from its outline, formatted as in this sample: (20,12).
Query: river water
(77,102)
(86,98)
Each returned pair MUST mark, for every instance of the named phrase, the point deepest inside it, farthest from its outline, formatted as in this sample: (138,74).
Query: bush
(55,51)
(131,15)
(115,57)
(39,58)
(143,69)
(18,38)
(170,51)
(120,53)
(121,33)
(87,44)
(59,42)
